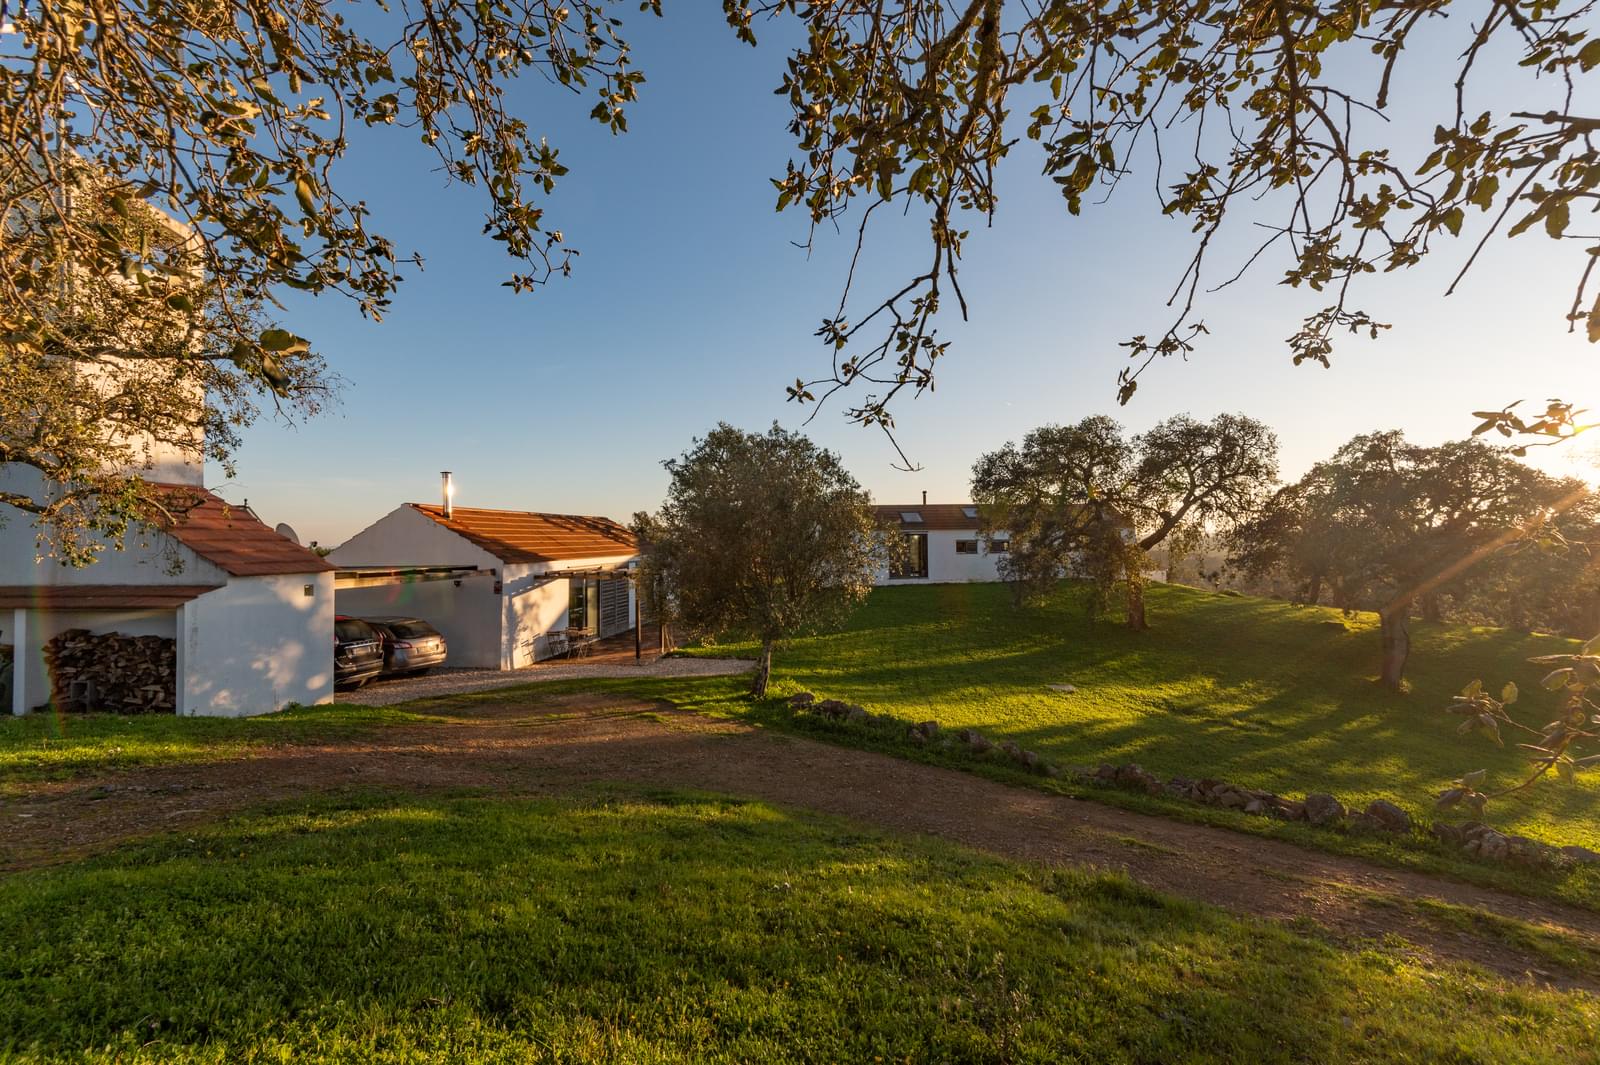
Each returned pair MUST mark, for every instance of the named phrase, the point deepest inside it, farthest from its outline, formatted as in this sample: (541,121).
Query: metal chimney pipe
(448,488)
(924,497)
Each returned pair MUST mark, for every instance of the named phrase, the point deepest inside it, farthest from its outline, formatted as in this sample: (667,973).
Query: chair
(557,644)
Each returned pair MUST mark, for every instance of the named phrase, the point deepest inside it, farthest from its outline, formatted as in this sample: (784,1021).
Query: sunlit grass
(676,928)
(1253,691)
(39,746)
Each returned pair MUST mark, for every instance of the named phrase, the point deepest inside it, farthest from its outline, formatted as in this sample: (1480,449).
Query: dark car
(357,652)
(410,645)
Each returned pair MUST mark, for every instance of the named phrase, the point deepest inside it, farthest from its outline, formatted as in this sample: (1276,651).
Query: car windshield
(411,630)
(351,631)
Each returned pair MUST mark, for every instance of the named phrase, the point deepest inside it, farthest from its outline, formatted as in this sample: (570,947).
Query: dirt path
(556,745)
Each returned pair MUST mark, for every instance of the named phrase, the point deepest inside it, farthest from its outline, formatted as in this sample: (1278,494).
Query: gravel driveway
(459,681)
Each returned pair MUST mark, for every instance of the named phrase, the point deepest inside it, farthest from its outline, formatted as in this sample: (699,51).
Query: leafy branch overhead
(1556,747)
(167,170)
(1269,114)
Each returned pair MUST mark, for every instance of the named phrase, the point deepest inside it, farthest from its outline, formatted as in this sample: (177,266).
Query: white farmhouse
(944,545)
(505,588)
(251,611)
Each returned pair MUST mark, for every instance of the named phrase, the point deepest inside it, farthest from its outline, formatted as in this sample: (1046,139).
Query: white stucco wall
(468,617)
(535,605)
(945,566)
(40,626)
(147,556)
(256,646)
(407,537)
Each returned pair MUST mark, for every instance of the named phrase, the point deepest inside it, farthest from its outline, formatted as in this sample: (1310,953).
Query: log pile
(112,673)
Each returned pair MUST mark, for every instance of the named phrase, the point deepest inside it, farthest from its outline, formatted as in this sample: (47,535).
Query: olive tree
(1087,497)
(762,535)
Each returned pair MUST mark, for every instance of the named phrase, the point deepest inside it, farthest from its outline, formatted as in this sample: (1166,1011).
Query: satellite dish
(286,531)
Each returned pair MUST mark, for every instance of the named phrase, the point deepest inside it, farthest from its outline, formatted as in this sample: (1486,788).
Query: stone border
(1319,809)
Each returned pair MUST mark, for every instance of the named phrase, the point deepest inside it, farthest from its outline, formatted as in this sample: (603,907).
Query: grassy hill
(1253,691)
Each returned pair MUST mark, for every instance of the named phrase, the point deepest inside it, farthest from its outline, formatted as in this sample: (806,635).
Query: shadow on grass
(669,927)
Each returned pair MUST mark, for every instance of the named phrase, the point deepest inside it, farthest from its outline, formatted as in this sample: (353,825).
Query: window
(914,566)
(911,517)
(583,608)
(966,547)
(999,547)
(971,512)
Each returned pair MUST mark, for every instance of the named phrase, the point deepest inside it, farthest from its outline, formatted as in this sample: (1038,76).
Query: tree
(228,119)
(1268,115)
(1087,496)
(761,535)
(1389,526)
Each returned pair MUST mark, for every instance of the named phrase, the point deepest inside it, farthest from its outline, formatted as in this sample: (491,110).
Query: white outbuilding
(944,545)
(250,610)
(506,588)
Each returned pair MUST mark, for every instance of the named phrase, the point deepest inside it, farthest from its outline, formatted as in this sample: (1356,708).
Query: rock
(930,729)
(1106,773)
(831,707)
(1255,806)
(1489,845)
(1029,759)
(856,713)
(1581,855)
(1066,688)
(1294,810)
(1233,800)
(916,737)
(978,743)
(1387,816)
(1323,809)
(1052,772)
(801,700)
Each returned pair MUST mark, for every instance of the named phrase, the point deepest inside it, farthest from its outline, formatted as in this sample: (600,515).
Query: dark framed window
(583,608)
(999,547)
(914,566)
(966,547)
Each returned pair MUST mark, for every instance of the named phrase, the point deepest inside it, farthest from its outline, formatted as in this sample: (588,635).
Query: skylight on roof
(910,516)
(971,512)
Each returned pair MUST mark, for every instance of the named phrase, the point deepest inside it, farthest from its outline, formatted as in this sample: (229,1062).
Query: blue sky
(689,305)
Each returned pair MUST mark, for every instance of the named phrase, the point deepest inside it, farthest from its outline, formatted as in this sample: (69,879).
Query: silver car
(410,645)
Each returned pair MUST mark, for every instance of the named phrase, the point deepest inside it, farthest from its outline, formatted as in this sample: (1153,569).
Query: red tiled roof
(941,516)
(231,537)
(521,536)
(99,596)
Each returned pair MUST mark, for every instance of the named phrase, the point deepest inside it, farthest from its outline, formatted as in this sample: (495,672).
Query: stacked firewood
(112,673)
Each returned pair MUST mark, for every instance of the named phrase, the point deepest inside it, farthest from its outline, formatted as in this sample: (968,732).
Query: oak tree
(1390,526)
(1088,497)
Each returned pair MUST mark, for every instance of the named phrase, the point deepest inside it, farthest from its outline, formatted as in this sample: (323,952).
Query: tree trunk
(763,674)
(1313,593)
(1396,644)
(1431,610)
(1136,620)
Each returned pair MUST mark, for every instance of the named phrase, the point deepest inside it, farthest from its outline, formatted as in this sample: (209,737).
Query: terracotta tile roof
(231,537)
(940,516)
(99,596)
(522,536)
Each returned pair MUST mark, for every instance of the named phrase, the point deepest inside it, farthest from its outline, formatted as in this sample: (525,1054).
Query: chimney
(924,497)
(448,488)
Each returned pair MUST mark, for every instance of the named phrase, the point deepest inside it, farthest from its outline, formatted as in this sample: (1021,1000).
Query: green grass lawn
(669,927)
(42,746)
(1252,691)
